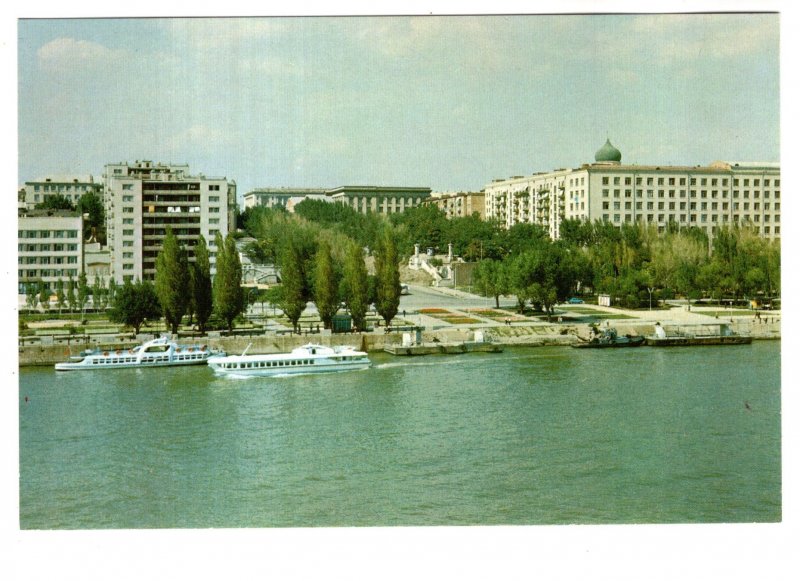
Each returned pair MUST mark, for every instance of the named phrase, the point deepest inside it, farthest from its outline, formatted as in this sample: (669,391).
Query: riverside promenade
(451,316)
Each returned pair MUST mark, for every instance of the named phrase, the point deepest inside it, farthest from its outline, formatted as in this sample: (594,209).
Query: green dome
(608,153)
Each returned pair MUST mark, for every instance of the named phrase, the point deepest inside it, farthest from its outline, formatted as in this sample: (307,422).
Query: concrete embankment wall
(525,335)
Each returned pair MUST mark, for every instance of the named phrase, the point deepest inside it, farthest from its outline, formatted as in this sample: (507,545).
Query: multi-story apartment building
(143,199)
(49,247)
(459,204)
(722,193)
(71,187)
(279,197)
(379,199)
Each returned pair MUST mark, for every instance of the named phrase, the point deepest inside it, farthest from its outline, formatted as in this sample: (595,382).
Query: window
(127,210)
(605,180)
(128,221)
(127,266)
(216,220)
(214,210)
(126,186)
(213,198)
(605,193)
(660,181)
(616,180)
(127,255)
(649,181)
(127,243)
(127,198)
(683,181)
(627,181)
(672,181)
(213,188)
(127,232)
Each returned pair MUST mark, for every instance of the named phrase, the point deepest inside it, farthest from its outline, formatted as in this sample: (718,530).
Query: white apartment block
(71,187)
(143,199)
(49,247)
(720,194)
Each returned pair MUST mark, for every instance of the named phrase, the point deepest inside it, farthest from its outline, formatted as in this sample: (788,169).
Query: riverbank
(517,334)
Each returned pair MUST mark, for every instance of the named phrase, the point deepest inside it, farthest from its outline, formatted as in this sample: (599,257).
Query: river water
(529,436)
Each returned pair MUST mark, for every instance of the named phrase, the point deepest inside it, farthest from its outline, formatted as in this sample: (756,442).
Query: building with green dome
(704,196)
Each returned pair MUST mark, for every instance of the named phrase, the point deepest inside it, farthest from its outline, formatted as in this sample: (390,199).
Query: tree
(201,285)
(30,295)
(326,285)
(292,298)
(60,297)
(134,304)
(98,293)
(55,202)
(71,300)
(543,275)
(83,290)
(227,292)
(387,279)
(44,295)
(172,280)
(91,204)
(491,280)
(354,281)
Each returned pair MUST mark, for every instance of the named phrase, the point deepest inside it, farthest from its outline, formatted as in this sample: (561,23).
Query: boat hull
(687,341)
(68,366)
(284,371)
(621,342)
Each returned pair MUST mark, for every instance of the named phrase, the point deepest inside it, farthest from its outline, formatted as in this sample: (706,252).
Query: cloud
(70,54)
(221,33)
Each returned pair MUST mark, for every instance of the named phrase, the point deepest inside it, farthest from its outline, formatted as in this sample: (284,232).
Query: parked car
(575,301)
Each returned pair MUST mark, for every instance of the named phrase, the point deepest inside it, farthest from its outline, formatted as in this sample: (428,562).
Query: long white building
(722,193)
(49,247)
(144,198)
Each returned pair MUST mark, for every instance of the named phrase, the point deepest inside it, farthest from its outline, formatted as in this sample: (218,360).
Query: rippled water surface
(529,436)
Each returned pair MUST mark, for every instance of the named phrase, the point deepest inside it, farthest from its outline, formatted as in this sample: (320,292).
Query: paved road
(422,297)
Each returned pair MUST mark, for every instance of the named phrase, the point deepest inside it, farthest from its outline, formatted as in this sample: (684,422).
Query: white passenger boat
(306,359)
(159,352)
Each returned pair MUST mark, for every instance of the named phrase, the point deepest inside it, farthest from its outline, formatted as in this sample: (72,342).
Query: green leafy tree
(355,283)
(201,285)
(387,279)
(83,290)
(135,303)
(292,298)
(491,280)
(326,284)
(44,295)
(30,295)
(91,204)
(60,297)
(55,202)
(228,295)
(172,280)
(72,300)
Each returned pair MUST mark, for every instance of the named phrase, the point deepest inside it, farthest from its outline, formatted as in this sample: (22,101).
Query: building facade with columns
(71,187)
(279,197)
(143,199)
(379,199)
(707,197)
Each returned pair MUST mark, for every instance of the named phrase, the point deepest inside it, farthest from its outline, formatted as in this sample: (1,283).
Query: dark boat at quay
(609,338)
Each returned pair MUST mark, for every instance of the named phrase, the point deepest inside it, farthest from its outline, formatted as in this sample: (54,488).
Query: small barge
(724,336)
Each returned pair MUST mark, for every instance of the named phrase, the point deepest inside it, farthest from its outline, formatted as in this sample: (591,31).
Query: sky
(447,102)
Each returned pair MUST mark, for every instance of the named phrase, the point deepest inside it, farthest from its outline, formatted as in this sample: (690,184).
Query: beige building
(459,204)
(49,247)
(143,199)
(71,187)
(722,193)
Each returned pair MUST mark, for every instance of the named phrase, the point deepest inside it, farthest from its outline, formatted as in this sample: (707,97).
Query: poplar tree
(172,281)
(83,290)
(292,300)
(71,300)
(228,295)
(201,285)
(356,287)
(325,285)
(387,279)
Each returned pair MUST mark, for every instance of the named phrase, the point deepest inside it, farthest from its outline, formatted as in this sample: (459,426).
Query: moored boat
(309,358)
(609,338)
(724,336)
(159,352)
